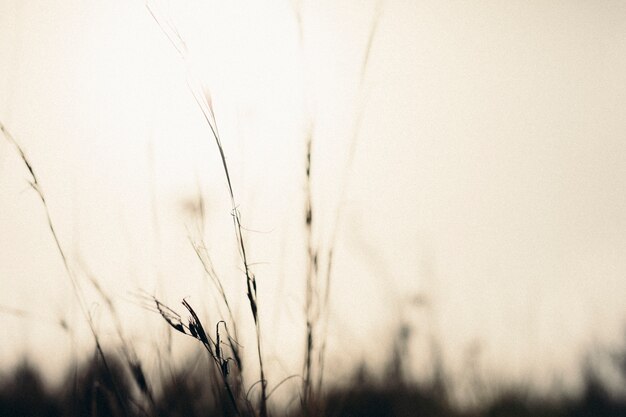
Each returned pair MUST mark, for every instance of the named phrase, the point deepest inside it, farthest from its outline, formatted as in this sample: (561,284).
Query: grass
(194,390)
(114,382)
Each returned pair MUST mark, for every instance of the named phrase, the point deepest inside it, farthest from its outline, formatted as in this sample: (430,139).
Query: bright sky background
(489,174)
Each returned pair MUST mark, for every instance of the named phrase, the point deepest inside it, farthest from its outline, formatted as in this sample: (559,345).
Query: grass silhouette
(88,390)
(114,382)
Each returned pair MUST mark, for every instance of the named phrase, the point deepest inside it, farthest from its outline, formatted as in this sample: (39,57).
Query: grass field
(91,389)
(223,376)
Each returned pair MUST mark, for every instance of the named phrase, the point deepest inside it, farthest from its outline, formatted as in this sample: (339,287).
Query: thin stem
(70,273)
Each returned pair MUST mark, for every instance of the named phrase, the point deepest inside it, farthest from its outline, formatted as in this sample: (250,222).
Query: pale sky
(489,173)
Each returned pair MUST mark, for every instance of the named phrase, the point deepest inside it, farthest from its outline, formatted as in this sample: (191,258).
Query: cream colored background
(489,175)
